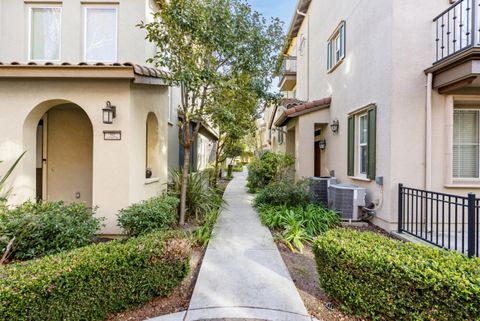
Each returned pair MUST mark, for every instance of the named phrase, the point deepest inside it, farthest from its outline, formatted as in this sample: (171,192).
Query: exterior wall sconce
(334,126)
(322,144)
(109,113)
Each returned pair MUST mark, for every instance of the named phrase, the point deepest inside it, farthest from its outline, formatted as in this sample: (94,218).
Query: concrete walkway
(242,275)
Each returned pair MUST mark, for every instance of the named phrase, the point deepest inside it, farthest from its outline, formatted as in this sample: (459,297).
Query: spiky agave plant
(4,191)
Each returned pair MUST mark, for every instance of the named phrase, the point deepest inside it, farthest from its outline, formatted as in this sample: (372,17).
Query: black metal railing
(445,220)
(289,64)
(457,29)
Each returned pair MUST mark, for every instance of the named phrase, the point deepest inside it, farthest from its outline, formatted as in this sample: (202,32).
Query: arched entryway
(64,154)
(153,167)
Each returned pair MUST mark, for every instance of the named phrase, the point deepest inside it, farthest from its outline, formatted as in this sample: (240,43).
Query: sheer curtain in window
(101,34)
(466,144)
(45,33)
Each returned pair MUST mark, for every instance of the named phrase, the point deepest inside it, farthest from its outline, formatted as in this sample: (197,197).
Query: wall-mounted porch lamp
(109,113)
(322,144)
(334,126)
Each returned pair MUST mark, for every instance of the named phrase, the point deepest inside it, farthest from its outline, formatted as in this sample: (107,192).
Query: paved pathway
(242,275)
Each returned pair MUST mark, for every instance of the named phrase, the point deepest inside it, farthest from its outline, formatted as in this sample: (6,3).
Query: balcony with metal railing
(288,73)
(456,37)
(457,29)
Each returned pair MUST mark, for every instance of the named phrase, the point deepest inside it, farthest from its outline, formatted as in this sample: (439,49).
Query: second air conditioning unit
(348,200)
(319,188)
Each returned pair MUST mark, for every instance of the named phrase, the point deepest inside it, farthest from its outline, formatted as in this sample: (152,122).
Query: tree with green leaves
(233,112)
(204,44)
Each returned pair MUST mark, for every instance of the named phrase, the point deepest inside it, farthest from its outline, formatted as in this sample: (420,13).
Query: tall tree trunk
(215,171)
(183,189)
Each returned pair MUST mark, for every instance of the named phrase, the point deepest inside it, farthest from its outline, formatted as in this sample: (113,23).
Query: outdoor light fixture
(322,144)
(334,126)
(109,113)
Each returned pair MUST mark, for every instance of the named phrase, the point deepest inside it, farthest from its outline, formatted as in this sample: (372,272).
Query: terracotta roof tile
(137,69)
(302,109)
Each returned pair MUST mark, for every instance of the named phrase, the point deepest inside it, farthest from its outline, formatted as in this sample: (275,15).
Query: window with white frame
(363,144)
(45,33)
(336,47)
(466,142)
(100,42)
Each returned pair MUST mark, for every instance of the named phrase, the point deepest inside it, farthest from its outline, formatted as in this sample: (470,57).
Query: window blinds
(466,144)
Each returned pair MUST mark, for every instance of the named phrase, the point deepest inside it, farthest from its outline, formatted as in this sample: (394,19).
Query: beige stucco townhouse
(384,92)
(77,95)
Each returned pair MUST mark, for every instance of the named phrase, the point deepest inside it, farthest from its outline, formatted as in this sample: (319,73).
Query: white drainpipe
(428,134)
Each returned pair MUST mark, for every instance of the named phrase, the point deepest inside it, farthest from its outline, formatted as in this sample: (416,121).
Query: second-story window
(45,33)
(100,34)
(336,47)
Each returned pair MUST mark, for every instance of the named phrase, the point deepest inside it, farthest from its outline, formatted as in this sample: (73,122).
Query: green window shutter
(372,143)
(351,146)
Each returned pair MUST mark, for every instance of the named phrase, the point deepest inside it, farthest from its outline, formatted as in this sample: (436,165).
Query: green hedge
(46,228)
(376,277)
(94,281)
(156,213)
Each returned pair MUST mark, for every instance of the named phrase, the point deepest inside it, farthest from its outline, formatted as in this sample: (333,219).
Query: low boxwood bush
(46,228)
(94,281)
(376,277)
(284,192)
(158,213)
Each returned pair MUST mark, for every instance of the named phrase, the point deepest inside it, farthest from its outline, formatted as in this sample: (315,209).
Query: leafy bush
(267,168)
(298,225)
(158,213)
(46,228)
(94,281)
(202,198)
(284,192)
(376,277)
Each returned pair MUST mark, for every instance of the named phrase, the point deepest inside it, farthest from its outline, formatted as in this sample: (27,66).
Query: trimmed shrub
(157,213)
(284,192)
(380,278)
(266,168)
(94,281)
(46,228)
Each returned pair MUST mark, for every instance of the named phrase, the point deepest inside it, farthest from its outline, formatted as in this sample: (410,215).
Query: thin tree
(203,44)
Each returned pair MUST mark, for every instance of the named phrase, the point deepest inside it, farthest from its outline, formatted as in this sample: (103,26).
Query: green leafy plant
(300,224)
(95,281)
(46,228)
(284,192)
(202,198)
(379,278)
(267,168)
(204,233)
(158,213)
(5,192)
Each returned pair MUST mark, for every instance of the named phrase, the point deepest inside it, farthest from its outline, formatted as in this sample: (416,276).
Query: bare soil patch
(177,301)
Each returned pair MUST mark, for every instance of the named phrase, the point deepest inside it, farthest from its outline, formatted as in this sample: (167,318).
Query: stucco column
(305,151)
(449,104)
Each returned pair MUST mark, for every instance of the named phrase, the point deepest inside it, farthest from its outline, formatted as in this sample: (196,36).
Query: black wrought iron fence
(445,220)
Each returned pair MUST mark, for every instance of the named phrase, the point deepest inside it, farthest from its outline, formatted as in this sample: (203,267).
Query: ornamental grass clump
(379,278)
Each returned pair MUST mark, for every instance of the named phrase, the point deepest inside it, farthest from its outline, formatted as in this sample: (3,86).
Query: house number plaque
(112,135)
